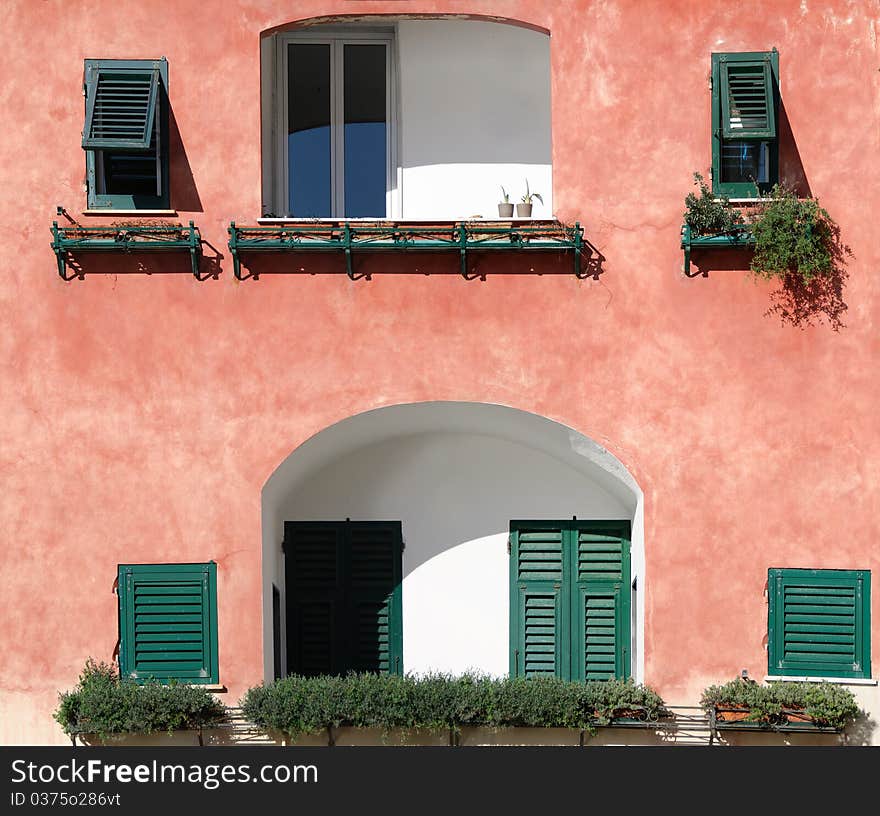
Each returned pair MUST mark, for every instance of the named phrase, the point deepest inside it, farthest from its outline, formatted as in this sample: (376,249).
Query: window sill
(475,219)
(131,213)
(213,688)
(838,681)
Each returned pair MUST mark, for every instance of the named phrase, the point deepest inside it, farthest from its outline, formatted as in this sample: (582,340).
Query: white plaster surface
(474,115)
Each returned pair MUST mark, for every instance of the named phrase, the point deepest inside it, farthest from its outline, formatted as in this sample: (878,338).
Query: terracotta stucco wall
(142,414)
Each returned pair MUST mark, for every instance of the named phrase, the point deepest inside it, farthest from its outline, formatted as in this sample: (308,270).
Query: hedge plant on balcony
(103,704)
(781,703)
(301,705)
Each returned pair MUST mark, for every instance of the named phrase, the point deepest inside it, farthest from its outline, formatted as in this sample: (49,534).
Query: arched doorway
(452,476)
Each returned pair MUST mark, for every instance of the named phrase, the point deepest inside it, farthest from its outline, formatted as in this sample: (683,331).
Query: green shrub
(828,704)
(793,236)
(301,705)
(104,704)
(708,215)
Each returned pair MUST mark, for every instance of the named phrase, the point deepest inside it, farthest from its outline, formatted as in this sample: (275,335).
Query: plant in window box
(505,207)
(782,703)
(707,215)
(524,208)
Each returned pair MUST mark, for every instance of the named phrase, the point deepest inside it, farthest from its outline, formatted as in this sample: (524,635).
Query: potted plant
(505,207)
(524,208)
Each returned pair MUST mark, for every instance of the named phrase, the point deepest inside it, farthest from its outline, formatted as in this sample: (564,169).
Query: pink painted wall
(143,414)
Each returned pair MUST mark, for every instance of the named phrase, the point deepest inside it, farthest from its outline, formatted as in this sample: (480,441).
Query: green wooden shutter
(121,102)
(538,612)
(315,597)
(819,623)
(747,105)
(168,622)
(600,600)
(373,603)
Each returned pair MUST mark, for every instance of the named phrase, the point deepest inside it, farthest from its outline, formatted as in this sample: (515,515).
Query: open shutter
(121,103)
(373,603)
(819,624)
(747,103)
(314,580)
(168,622)
(600,600)
(538,619)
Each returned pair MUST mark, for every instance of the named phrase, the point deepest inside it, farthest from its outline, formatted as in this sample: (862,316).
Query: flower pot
(732,714)
(505,210)
(523,210)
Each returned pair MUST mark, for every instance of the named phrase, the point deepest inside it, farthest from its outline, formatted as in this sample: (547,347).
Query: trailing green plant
(707,215)
(827,704)
(103,704)
(302,705)
(793,236)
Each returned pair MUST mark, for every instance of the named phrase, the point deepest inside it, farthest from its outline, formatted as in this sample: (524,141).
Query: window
(570,599)
(334,124)
(168,622)
(343,597)
(820,622)
(745,101)
(126,134)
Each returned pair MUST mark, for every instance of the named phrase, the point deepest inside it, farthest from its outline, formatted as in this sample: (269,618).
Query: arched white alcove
(454,474)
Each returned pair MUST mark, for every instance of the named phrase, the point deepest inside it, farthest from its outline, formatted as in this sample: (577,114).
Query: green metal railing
(350,238)
(742,238)
(131,239)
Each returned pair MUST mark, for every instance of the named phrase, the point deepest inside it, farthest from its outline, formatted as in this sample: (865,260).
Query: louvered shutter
(747,101)
(168,622)
(600,600)
(121,102)
(343,597)
(539,622)
(315,597)
(373,601)
(819,623)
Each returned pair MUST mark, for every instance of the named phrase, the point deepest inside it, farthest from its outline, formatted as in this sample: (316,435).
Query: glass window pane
(366,130)
(308,130)
(744,162)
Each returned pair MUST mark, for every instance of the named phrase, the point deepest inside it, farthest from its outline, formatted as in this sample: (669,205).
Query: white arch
(456,473)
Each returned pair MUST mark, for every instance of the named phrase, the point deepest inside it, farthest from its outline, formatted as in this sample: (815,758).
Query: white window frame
(336,38)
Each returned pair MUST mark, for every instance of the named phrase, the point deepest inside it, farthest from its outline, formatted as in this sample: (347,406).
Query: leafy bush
(708,215)
(827,704)
(104,704)
(793,236)
(302,705)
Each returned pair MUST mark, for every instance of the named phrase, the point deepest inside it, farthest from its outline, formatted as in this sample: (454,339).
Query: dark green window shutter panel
(601,600)
(374,603)
(168,622)
(314,580)
(344,607)
(121,102)
(747,106)
(819,623)
(538,622)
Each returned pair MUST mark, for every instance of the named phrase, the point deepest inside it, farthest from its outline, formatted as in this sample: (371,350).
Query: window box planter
(741,238)
(124,238)
(350,238)
(780,706)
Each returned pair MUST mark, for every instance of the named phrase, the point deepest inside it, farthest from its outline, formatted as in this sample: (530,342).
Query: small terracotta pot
(523,210)
(505,210)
